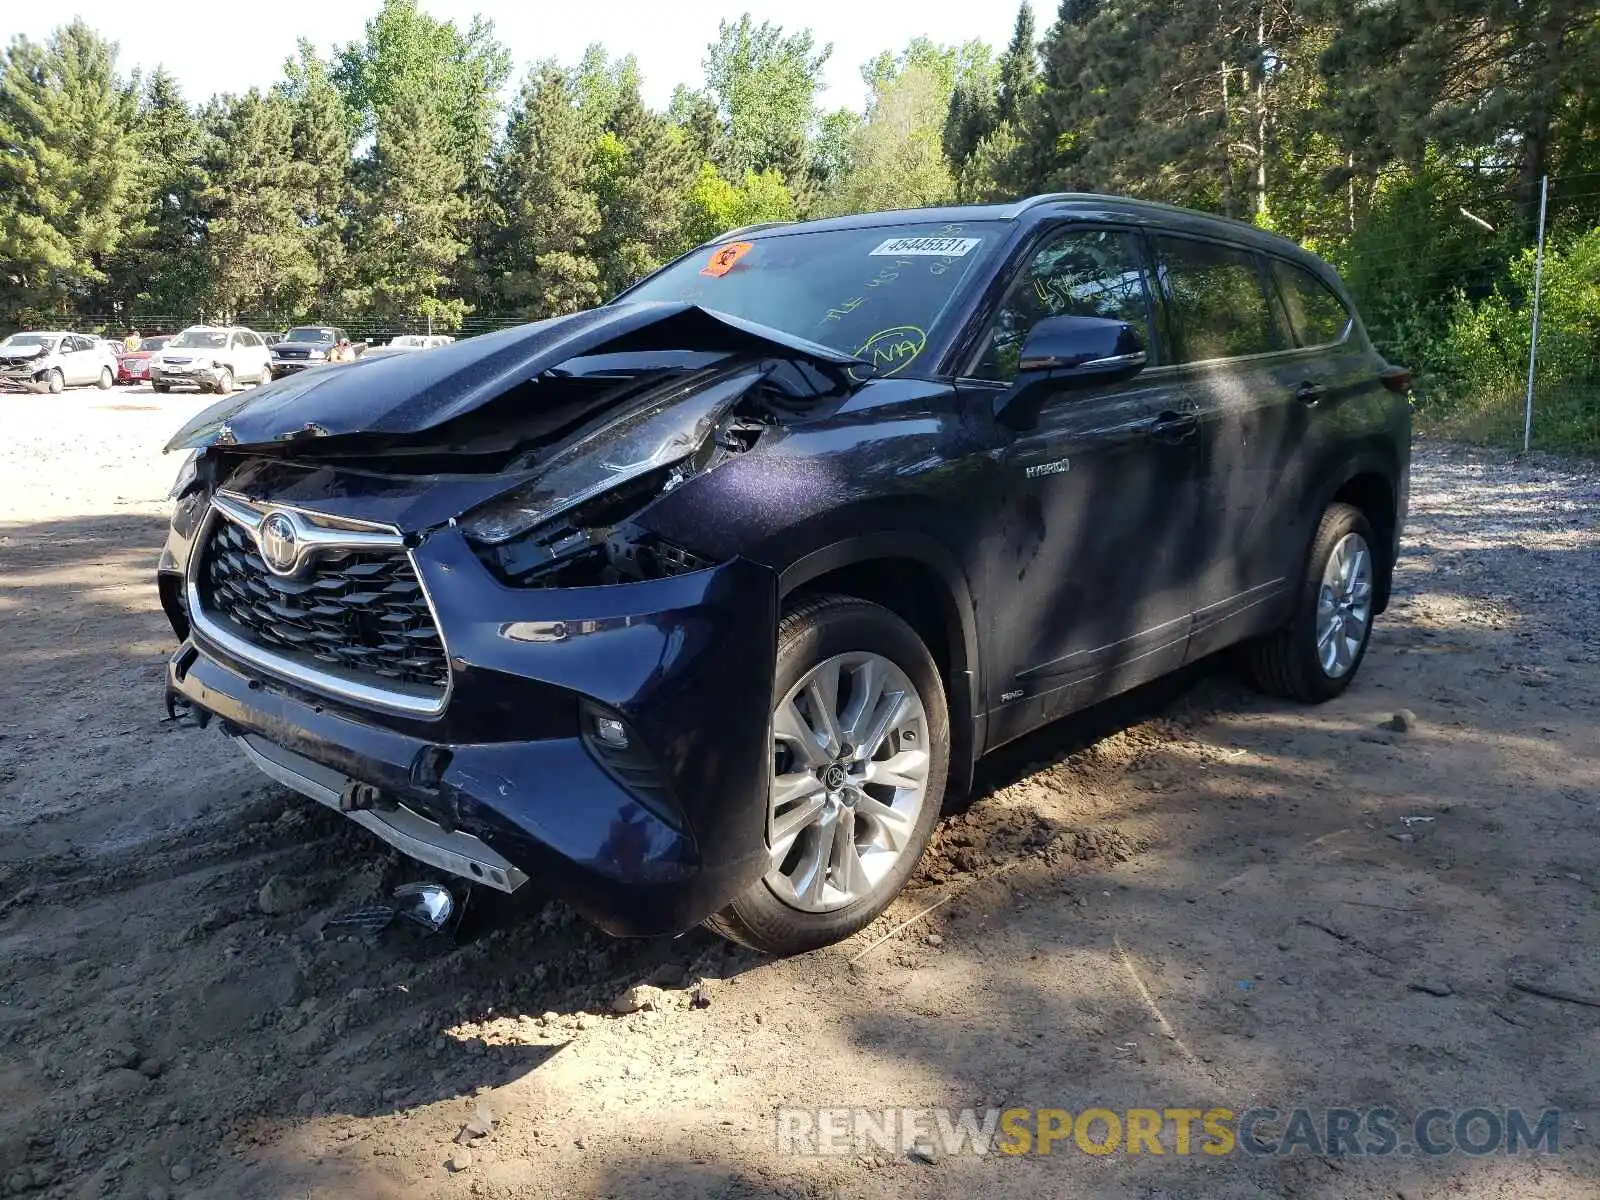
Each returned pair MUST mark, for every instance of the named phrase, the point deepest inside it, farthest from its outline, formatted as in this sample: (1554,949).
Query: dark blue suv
(698,606)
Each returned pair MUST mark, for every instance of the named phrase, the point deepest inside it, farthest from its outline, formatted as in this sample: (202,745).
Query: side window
(1077,273)
(1220,305)
(1317,316)
(75,343)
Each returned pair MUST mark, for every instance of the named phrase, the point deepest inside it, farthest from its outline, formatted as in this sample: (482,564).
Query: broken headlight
(187,474)
(667,428)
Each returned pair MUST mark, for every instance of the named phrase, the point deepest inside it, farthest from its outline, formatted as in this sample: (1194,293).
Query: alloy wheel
(1344,605)
(849,778)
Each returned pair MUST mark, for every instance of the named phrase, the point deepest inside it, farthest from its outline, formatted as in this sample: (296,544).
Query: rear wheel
(1316,655)
(107,379)
(861,747)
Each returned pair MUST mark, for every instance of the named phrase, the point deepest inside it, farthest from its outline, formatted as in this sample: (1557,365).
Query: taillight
(1396,379)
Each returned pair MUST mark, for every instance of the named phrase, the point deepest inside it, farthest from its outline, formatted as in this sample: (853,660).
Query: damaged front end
(436,603)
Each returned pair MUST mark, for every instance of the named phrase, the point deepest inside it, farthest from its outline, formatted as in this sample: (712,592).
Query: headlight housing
(187,473)
(667,428)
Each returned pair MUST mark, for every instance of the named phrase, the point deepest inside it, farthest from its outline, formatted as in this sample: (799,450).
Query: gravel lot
(1194,897)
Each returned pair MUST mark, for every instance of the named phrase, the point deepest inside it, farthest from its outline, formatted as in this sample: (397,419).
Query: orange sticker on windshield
(723,260)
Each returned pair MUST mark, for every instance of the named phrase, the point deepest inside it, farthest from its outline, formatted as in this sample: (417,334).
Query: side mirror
(1069,352)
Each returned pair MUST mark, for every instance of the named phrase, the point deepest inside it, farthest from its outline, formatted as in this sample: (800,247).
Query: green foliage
(764,85)
(549,214)
(1402,139)
(408,240)
(642,170)
(1480,361)
(260,257)
(715,206)
(69,169)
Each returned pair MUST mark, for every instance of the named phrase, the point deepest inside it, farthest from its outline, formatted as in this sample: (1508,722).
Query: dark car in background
(304,346)
(698,606)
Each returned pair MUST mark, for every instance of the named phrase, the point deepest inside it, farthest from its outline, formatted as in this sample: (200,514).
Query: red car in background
(133,366)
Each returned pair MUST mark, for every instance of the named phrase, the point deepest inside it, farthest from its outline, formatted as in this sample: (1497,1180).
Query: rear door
(1093,583)
(82,359)
(1231,345)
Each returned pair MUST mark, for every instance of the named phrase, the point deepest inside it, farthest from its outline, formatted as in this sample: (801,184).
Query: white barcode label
(935,247)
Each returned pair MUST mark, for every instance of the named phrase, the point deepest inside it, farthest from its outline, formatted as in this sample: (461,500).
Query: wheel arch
(918,579)
(1370,482)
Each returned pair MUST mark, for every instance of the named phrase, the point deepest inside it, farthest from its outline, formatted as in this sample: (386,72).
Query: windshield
(199,339)
(877,293)
(410,340)
(29,339)
(310,335)
(153,343)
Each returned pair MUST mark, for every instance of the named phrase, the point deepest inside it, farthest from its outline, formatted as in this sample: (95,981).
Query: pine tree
(1019,68)
(413,219)
(541,255)
(321,144)
(642,170)
(262,264)
(161,267)
(69,170)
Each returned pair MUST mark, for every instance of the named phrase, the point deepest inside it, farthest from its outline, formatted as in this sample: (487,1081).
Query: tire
(161,387)
(1293,662)
(793,910)
(225,381)
(54,382)
(107,379)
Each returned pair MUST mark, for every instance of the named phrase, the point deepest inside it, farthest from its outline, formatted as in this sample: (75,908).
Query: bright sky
(213,50)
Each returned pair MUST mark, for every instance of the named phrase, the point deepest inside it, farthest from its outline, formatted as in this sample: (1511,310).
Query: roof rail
(756,228)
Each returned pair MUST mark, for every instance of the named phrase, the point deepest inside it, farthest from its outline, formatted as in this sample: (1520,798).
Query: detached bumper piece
(408,832)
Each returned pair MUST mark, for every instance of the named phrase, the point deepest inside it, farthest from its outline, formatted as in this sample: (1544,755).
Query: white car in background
(213,358)
(50,361)
(408,342)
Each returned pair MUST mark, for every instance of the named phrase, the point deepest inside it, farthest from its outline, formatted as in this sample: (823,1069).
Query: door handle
(1309,393)
(1173,427)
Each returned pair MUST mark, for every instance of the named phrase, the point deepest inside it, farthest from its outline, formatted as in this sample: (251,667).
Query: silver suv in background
(48,362)
(213,358)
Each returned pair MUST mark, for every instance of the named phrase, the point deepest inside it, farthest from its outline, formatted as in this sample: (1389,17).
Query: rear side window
(1218,300)
(1078,273)
(1317,316)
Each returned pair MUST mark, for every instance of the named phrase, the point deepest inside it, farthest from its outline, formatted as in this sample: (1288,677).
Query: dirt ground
(1193,897)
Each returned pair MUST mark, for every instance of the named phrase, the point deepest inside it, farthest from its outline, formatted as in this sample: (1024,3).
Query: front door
(1092,583)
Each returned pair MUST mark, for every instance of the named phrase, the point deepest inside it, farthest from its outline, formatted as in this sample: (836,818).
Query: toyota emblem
(279,543)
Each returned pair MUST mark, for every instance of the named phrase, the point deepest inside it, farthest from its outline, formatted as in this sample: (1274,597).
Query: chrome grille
(362,612)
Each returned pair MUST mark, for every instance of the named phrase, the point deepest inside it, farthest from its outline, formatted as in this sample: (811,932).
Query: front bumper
(288,366)
(203,377)
(25,380)
(686,661)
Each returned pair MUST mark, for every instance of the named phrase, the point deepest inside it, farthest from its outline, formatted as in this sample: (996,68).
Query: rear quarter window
(1317,316)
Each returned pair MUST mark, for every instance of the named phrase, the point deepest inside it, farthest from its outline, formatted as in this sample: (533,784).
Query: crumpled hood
(408,393)
(21,351)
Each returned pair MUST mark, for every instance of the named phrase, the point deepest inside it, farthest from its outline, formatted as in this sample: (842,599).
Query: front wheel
(225,382)
(161,387)
(1316,655)
(54,382)
(861,748)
